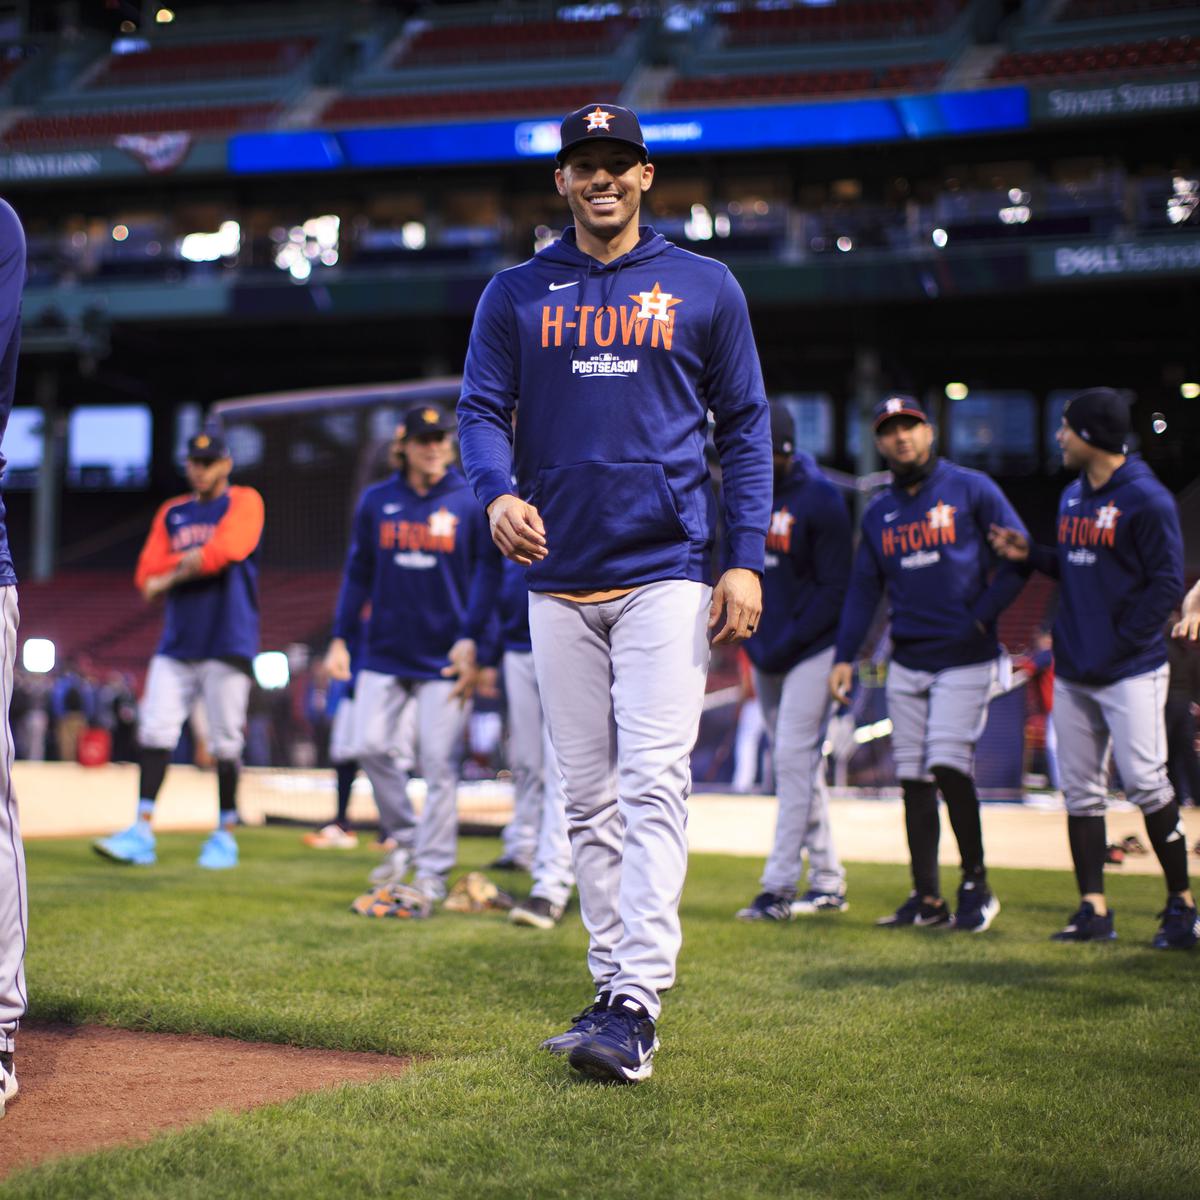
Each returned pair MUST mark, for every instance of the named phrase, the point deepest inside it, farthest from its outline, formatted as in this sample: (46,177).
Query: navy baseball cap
(1101,417)
(602,122)
(426,418)
(897,404)
(783,428)
(207,447)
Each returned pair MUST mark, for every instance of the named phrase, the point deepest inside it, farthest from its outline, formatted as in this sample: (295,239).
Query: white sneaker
(393,868)
(332,837)
(8,1081)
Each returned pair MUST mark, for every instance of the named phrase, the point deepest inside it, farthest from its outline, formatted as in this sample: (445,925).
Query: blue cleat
(817,901)
(1180,928)
(1085,925)
(767,906)
(134,845)
(219,853)
(621,1045)
(581,1026)
(977,907)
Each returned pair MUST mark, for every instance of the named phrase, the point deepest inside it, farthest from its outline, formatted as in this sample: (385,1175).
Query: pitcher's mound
(86,1088)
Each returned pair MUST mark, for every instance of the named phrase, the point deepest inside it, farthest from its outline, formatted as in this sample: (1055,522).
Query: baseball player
(201,557)
(421,555)
(614,343)
(925,538)
(1119,563)
(539,811)
(14,913)
(804,585)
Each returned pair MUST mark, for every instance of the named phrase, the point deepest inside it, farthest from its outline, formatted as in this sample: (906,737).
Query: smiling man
(925,539)
(614,345)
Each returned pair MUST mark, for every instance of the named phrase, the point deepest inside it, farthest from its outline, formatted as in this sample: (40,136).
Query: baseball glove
(394,900)
(475,893)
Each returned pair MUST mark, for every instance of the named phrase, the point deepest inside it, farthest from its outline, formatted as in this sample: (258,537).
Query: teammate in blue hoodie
(804,585)
(14,915)
(421,554)
(1119,564)
(614,344)
(201,558)
(925,539)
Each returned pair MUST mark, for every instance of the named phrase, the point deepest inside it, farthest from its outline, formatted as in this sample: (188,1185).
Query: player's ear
(647,176)
(560,181)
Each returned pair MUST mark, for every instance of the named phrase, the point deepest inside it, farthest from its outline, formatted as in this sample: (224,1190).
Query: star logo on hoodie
(656,304)
(442,523)
(941,515)
(1106,517)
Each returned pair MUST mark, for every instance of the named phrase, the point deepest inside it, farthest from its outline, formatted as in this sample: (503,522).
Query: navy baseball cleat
(1180,928)
(816,901)
(977,907)
(767,906)
(1086,925)
(620,1047)
(917,911)
(581,1026)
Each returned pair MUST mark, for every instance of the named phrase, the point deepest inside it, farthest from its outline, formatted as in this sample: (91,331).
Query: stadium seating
(1091,10)
(838,22)
(1027,614)
(82,128)
(804,83)
(1160,55)
(555,98)
(448,44)
(201,61)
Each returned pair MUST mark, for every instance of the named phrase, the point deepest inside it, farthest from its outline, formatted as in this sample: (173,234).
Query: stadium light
(957,391)
(1189,391)
(699,226)
(164,16)
(1158,423)
(939,237)
(208,247)
(414,235)
(271,670)
(37,655)
(120,233)
(845,244)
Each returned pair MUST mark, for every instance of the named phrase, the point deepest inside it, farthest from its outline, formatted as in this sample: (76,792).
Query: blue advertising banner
(770,127)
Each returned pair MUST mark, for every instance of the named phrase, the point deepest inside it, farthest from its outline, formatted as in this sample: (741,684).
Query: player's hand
(462,669)
(337,660)
(1187,627)
(1007,543)
(487,683)
(737,596)
(157,585)
(841,680)
(517,530)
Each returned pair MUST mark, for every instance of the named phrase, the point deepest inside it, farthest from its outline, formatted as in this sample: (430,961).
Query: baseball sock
(346,771)
(924,827)
(1088,845)
(1166,836)
(153,772)
(962,803)
(227,781)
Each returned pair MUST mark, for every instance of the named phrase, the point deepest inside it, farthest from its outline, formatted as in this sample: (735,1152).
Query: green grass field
(823,1058)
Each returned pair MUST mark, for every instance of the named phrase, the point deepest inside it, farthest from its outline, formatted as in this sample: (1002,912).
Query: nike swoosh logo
(558,287)
(891,516)
(1072,503)
(391,508)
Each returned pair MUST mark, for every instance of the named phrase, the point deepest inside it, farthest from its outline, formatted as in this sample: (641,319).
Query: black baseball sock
(227,783)
(346,771)
(1170,844)
(1089,845)
(962,803)
(153,772)
(924,827)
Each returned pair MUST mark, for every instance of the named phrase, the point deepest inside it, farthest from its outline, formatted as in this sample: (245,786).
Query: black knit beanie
(1101,417)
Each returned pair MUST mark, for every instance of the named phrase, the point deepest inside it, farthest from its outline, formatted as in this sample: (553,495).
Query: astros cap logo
(202,442)
(430,416)
(598,119)
(895,404)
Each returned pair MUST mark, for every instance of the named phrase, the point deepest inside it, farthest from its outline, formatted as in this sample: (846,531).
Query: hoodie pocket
(607,521)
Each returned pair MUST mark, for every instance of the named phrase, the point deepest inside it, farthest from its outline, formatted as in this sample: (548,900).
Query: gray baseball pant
(387,773)
(14,908)
(173,686)
(525,757)
(622,683)
(441,722)
(796,708)
(1128,715)
(938,716)
(553,877)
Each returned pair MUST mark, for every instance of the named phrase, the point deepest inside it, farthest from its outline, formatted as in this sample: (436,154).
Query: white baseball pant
(525,758)
(14,908)
(387,773)
(622,683)
(173,686)
(796,708)
(1128,715)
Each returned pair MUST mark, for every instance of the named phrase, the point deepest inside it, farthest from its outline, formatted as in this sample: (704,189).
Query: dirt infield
(86,1088)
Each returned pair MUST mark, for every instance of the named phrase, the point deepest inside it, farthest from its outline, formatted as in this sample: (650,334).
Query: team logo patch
(779,535)
(655,304)
(430,416)
(598,119)
(895,405)
(941,515)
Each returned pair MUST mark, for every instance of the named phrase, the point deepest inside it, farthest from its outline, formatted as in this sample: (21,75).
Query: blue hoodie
(613,367)
(807,570)
(12,280)
(1119,563)
(931,550)
(429,568)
